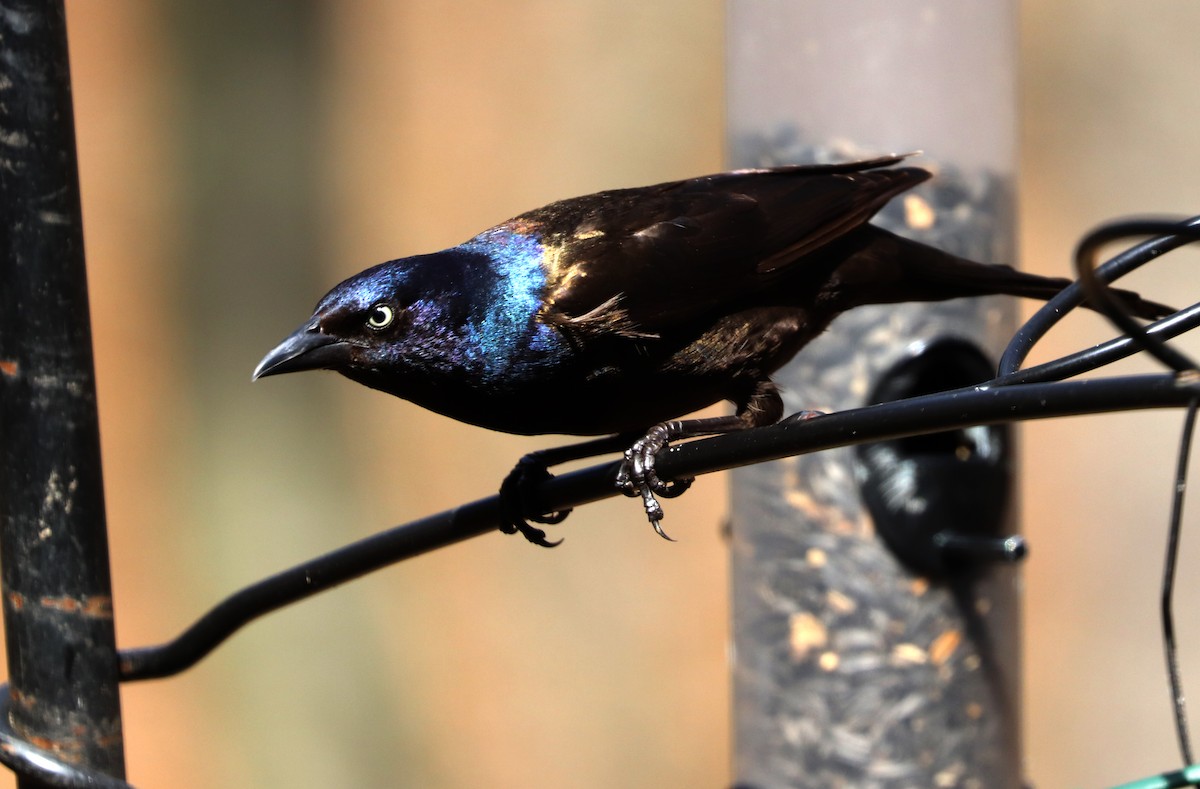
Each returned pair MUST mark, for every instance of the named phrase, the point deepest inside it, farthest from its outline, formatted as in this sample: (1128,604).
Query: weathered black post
(57,597)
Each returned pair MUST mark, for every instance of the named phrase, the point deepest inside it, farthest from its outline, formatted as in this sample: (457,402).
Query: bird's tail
(928,274)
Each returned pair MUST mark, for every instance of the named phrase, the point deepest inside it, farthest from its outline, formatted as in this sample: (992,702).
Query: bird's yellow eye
(380,316)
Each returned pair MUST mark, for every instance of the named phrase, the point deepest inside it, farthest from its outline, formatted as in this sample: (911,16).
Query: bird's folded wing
(660,257)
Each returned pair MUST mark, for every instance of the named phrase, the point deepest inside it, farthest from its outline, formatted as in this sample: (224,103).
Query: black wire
(307,579)
(1110,303)
(1106,353)
(980,405)
(1178,703)
(1175,235)
(914,416)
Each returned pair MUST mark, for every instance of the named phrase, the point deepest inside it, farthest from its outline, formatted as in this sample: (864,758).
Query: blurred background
(237,159)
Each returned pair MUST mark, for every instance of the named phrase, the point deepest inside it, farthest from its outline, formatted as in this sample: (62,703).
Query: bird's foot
(515,495)
(637,475)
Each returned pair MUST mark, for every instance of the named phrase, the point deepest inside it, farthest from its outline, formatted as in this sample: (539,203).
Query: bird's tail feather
(933,274)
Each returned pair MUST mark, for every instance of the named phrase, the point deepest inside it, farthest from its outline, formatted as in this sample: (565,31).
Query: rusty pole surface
(57,596)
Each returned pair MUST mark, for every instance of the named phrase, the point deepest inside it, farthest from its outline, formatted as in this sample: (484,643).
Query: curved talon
(654,510)
(538,537)
(637,476)
(514,497)
(658,528)
(531,533)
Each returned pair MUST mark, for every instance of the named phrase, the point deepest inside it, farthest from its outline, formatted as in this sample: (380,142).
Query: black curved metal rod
(1170,235)
(944,411)
(1105,353)
(1110,303)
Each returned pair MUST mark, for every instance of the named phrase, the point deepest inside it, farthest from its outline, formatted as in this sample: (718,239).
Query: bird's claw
(532,533)
(515,500)
(637,475)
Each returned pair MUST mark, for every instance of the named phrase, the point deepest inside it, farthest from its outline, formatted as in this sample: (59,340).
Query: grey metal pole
(57,597)
(852,667)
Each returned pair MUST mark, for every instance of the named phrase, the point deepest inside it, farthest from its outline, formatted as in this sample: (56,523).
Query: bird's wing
(642,261)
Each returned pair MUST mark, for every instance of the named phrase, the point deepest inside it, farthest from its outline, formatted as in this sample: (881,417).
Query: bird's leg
(516,492)
(637,475)
(760,405)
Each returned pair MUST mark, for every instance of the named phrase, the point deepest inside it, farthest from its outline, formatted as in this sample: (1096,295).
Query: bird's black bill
(306,349)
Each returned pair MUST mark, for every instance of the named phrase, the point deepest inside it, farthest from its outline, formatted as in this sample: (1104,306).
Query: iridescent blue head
(417,326)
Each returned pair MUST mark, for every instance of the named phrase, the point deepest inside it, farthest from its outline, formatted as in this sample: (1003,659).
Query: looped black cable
(914,416)
(1105,353)
(1102,297)
(1174,234)
(1094,283)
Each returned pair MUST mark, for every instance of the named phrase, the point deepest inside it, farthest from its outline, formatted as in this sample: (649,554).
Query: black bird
(615,312)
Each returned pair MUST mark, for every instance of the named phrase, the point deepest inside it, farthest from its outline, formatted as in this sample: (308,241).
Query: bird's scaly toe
(515,500)
(637,475)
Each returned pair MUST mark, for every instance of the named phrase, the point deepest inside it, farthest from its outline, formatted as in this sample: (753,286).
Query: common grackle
(617,312)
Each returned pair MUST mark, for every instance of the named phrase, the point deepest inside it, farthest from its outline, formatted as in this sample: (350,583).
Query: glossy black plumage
(609,313)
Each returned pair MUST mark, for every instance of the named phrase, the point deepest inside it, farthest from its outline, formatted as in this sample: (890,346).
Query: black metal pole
(57,597)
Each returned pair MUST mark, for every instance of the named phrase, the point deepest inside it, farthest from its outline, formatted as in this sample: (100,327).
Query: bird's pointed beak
(308,348)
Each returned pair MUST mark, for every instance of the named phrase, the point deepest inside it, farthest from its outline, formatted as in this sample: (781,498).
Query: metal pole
(57,596)
(861,657)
